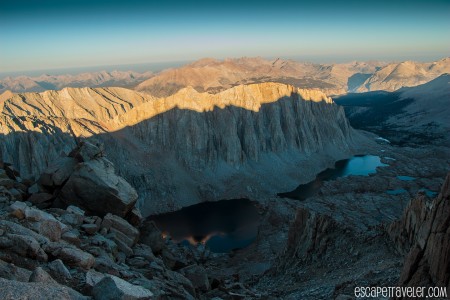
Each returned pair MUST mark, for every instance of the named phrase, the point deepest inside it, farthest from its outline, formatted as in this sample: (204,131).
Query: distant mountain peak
(54,82)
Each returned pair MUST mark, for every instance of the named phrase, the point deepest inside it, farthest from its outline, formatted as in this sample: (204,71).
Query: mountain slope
(431,105)
(248,140)
(410,115)
(405,74)
(213,75)
(45,82)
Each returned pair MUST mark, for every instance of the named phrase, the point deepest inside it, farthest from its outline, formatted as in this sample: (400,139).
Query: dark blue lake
(222,226)
(362,165)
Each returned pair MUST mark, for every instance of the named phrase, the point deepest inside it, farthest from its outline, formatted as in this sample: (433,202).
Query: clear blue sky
(50,34)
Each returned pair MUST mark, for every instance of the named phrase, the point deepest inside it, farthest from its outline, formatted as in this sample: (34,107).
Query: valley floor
(323,247)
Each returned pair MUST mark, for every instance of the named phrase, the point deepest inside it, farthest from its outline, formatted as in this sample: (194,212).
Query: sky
(53,34)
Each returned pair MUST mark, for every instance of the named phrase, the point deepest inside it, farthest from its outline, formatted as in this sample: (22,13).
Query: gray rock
(180,280)
(93,220)
(94,186)
(12,172)
(122,242)
(3,174)
(151,236)
(76,257)
(26,246)
(16,194)
(88,151)
(12,272)
(75,210)
(39,275)
(33,214)
(134,217)
(59,270)
(118,235)
(105,264)
(105,243)
(15,228)
(144,251)
(92,278)
(12,290)
(198,276)
(7,183)
(72,219)
(20,186)
(39,198)
(112,287)
(90,229)
(33,189)
(113,221)
(72,236)
(51,229)
(17,209)
(173,260)
(3,200)
(58,172)
(138,262)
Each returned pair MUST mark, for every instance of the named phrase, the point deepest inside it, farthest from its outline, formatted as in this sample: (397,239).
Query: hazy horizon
(50,34)
(160,66)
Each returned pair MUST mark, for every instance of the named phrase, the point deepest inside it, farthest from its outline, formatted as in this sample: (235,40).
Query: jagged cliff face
(423,235)
(188,147)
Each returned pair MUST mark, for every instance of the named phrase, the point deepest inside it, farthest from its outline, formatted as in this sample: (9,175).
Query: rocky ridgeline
(186,148)
(70,236)
(423,234)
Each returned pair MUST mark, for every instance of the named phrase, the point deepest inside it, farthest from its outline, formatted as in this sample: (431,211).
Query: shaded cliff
(414,115)
(188,147)
(423,235)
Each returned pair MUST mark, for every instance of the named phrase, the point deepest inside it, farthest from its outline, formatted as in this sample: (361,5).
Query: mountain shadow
(371,111)
(182,157)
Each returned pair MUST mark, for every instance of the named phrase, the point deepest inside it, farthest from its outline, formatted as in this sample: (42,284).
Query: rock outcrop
(93,185)
(165,146)
(86,178)
(423,234)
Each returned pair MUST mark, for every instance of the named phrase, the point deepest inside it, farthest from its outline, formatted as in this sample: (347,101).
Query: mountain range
(56,82)
(213,75)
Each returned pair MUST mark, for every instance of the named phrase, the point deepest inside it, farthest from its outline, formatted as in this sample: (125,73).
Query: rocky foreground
(76,234)
(50,248)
